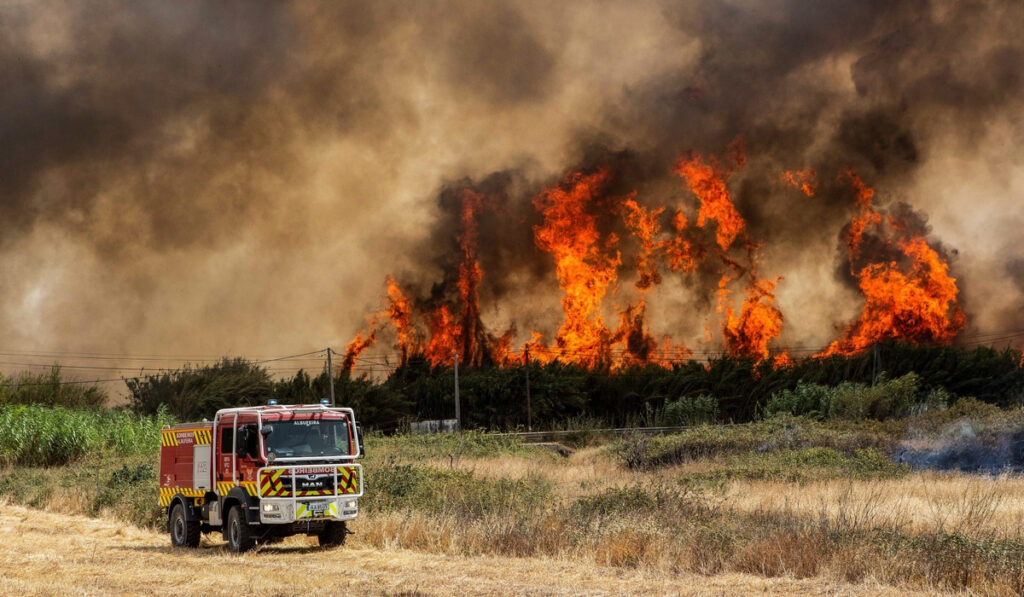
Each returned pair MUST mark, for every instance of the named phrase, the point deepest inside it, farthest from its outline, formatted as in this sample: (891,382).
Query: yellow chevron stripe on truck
(167,494)
(271,484)
(225,487)
(200,437)
(348,480)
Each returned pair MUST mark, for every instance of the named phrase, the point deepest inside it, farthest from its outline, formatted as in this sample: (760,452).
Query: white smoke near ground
(966,446)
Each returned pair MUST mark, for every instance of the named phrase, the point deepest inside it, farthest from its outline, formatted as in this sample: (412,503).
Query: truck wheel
(184,533)
(239,535)
(333,534)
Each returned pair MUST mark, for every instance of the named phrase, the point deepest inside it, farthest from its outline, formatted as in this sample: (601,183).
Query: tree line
(723,389)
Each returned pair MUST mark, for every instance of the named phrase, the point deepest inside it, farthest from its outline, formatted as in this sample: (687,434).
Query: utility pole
(330,374)
(458,414)
(874,365)
(529,413)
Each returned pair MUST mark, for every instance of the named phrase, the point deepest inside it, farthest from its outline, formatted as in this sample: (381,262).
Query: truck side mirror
(359,439)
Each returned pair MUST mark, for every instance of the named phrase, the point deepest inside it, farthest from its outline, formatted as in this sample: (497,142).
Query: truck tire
(184,533)
(333,535)
(239,535)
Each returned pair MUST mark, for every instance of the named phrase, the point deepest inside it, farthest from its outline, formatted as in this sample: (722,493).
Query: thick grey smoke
(238,177)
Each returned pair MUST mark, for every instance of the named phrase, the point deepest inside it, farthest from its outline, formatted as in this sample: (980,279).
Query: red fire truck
(262,473)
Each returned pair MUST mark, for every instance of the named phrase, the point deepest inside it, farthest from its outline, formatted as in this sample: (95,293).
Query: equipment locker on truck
(261,473)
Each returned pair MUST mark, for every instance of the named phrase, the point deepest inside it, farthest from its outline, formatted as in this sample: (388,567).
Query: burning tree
(583,223)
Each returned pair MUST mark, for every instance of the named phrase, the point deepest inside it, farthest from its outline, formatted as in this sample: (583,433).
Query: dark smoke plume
(238,177)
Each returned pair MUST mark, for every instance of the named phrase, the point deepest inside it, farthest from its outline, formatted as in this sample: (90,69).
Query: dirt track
(42,553)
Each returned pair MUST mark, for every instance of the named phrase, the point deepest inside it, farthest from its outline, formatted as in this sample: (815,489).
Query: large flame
(910,299)
(584,265)
(469,331)
(758,323)
(708,184)
(449,335)
(643,223)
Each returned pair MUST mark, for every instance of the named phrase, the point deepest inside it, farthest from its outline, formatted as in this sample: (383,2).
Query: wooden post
(529,410)
(458,414)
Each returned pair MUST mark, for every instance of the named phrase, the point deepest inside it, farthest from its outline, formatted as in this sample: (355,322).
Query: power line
(155,373)
(378,362)
(138,357)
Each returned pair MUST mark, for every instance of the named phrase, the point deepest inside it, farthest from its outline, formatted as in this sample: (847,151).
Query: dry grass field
(785,507)
(43,553)
(922,502)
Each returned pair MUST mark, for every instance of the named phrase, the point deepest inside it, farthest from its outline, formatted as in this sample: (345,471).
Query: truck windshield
(305,438)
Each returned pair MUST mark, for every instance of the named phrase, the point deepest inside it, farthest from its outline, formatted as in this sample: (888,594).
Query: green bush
(807,399)
(887,399)
(853,401)
(691,410)
(49,389)
(191,393)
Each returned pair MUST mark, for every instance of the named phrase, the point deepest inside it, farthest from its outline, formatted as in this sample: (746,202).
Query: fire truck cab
(259,474)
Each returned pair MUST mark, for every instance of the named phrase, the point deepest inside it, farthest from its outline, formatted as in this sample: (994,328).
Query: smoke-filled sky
(213,178)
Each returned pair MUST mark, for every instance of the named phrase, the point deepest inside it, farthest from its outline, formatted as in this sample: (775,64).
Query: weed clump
(392,485)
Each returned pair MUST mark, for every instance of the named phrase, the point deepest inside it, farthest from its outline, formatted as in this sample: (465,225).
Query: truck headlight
(270,507)
(349,504)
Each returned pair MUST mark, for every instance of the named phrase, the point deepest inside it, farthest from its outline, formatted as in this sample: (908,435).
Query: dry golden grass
(586,472)
(922,502)
(928,529)
(44,553)
(926,502)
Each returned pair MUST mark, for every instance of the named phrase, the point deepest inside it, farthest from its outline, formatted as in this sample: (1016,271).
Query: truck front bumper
(287,510)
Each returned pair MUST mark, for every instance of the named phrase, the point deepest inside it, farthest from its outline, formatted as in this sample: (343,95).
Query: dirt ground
(44,553)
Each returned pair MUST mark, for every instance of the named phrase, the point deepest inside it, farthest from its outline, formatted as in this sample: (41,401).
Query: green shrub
(194,392)
(49,388)
(807,399)
(691,410)
(853,401)
(971,407)
(887,399)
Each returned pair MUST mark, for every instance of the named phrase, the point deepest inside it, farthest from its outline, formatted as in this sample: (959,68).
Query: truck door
(225,451)
(247,450)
